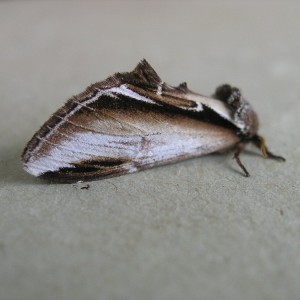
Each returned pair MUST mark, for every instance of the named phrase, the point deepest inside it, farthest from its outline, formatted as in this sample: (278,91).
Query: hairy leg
(238,150)
(259,142)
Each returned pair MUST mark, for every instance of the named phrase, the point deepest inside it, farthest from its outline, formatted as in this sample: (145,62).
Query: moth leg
(259,142)
(238,150)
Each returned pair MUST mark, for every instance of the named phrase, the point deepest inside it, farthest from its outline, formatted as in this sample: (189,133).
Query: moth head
(243,115)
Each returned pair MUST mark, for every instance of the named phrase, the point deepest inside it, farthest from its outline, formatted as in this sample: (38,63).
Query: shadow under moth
(134,121)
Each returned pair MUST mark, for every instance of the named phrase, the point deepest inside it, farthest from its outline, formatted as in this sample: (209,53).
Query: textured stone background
(193,230)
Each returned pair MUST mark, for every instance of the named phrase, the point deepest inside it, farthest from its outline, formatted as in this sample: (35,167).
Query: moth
(133,121)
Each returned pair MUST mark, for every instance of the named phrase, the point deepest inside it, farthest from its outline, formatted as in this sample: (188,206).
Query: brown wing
(123,125)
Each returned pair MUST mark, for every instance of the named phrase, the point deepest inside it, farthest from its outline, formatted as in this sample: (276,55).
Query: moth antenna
(259,142)
(238,150)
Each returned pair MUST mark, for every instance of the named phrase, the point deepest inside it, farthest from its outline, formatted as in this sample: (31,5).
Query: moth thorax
(246,118)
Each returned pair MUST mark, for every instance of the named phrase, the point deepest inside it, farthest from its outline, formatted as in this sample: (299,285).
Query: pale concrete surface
(193,230)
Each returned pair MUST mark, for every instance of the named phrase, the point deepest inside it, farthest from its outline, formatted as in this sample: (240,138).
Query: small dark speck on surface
(85,187)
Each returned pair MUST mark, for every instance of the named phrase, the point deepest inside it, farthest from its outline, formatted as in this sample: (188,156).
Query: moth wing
(130,121)
(144,81)
(109,142)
